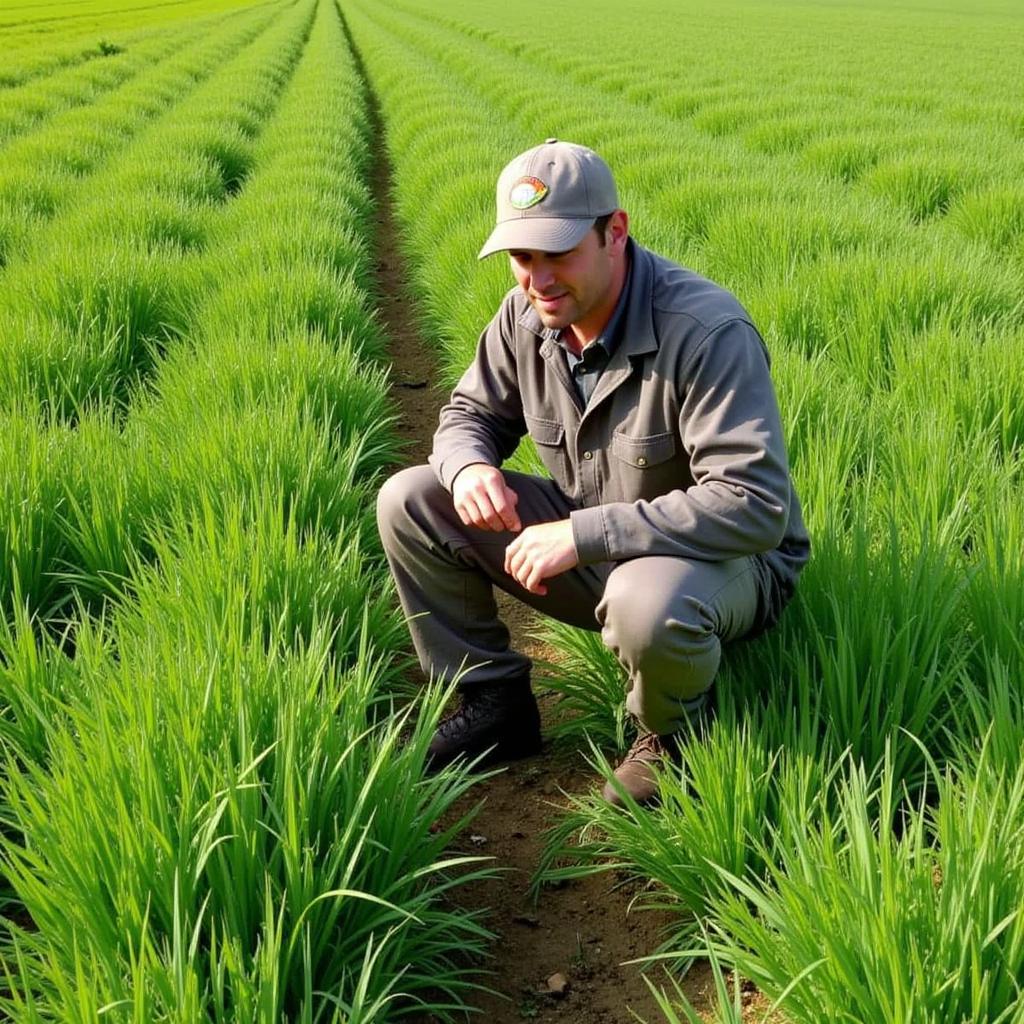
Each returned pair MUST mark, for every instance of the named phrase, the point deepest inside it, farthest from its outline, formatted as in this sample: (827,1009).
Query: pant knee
(398,500)
(637,622)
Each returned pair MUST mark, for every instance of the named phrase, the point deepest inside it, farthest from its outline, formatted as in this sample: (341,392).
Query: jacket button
(588,455)
(641,461)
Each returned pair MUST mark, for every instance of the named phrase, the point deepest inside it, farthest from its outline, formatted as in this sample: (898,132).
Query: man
(670,522)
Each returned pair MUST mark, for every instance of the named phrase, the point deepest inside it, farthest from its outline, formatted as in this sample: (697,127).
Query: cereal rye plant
(885,911)
(223,833)
(711,815)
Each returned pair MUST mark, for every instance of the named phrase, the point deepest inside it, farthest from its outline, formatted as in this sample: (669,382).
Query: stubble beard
(558,321)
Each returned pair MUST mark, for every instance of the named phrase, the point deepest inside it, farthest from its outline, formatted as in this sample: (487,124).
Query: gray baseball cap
(549,197)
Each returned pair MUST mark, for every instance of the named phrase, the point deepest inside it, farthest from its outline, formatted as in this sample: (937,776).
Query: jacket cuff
(448,468)
(588,535)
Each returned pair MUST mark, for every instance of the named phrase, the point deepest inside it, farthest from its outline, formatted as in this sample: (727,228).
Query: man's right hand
(483,499)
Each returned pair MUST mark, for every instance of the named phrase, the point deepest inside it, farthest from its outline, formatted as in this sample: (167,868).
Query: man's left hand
(540,551)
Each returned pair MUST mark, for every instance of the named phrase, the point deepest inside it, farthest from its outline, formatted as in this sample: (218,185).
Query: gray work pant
(665,619)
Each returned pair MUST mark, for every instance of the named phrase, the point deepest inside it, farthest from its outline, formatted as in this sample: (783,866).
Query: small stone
(477,840)
(558,986)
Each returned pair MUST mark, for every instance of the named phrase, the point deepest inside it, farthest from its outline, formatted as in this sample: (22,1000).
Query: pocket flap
(545,431)
(643,451)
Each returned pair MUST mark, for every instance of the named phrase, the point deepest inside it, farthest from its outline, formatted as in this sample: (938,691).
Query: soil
(583,930)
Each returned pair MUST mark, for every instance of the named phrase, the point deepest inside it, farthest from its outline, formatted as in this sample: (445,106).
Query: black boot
(501,718)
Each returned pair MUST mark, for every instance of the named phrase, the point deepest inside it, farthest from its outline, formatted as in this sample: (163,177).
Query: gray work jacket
(680,449)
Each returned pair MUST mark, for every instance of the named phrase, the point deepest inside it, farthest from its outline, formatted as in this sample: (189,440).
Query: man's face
(568,287)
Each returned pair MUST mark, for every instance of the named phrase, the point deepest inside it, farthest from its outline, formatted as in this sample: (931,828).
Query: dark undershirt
(587,367)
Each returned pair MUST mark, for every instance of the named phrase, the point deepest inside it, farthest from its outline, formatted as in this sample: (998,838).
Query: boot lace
(482,705)
(455,721)
(647,747)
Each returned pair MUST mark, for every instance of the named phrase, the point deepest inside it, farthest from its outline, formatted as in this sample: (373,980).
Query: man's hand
(540,551)
(483,499)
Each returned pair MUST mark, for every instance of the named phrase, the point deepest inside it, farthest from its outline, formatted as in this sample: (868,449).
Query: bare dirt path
(582,930)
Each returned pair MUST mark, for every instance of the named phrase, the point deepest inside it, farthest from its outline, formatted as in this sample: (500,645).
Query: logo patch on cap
(527,192)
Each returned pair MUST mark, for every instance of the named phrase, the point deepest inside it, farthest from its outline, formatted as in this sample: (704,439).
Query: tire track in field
(582,929)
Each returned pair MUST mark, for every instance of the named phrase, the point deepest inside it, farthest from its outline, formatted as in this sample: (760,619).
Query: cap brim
(545,234)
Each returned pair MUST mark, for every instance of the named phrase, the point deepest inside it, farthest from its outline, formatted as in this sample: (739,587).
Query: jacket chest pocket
(549,437)
(643,452)
(644,465)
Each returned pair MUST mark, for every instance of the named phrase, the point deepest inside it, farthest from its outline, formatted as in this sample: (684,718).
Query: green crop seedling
(212,789)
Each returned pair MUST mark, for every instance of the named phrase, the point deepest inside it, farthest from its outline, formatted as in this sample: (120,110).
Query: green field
(213,803)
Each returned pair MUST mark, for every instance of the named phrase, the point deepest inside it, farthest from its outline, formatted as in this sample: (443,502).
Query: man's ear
(617,230)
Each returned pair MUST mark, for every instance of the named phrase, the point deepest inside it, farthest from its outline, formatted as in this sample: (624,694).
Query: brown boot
(635,774)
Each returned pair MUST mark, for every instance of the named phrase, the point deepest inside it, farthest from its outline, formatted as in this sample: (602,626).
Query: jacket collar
(638,334)
(638,337)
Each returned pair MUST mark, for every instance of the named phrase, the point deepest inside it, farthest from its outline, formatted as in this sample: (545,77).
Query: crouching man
(670,522)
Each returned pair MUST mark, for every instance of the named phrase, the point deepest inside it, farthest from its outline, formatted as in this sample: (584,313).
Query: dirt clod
(530,922)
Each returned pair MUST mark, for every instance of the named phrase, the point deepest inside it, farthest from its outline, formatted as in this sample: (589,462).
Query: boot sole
(492,754)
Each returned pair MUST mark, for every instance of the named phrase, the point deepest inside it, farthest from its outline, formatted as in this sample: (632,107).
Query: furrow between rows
(896,352)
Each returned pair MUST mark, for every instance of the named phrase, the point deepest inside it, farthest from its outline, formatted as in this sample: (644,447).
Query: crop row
(111,292)
(932,136)
(895,351)
(27,107)
(193,792)
(97,318)
(819,276)
(42,173)
(917,352)
(40,39)
(105,290)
